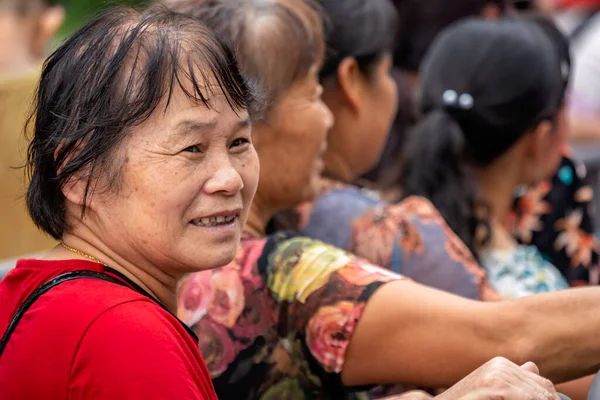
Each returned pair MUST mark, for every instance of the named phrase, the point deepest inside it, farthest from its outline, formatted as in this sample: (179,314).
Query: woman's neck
(159,284)
(337,167)
(498,192)
(497,185)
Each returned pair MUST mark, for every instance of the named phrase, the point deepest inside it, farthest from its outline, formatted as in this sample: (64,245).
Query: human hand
(500,379)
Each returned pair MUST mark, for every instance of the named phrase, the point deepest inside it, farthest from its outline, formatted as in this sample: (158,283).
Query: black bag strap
(69,276)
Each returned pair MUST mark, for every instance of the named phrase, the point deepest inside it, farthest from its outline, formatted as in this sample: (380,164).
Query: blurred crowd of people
(294,199)
(27,29)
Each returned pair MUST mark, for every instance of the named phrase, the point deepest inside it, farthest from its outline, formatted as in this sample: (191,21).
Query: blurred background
(79,11)
(29,30)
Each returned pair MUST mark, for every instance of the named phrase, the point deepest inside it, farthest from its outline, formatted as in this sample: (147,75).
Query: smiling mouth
(211,222)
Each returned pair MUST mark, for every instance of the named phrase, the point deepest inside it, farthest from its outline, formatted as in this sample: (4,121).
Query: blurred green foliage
(79,11)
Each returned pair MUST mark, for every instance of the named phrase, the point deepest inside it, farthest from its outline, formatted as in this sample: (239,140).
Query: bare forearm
(558,331)
(413,334)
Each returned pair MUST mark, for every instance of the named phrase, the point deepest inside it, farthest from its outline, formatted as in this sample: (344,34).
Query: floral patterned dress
(276,322)
(410,238)
(556,217)
(521,272)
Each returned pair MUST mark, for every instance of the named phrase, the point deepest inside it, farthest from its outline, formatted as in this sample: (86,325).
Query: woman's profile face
(364,104)
(557,143)
(292,142)
(187,180)
(375,121)
(550,145)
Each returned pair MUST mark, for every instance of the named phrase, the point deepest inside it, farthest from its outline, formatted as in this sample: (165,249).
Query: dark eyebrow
(186,126)
(189,125)
(245,123)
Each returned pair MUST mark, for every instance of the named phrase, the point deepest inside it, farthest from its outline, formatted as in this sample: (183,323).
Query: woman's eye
(192,149)
(239,142)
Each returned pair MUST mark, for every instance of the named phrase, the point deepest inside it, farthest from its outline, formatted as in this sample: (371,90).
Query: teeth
(213,221)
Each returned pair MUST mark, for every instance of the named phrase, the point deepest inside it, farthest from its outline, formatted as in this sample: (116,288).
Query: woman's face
(187,180)
(364,111)
(291,143)
(376,119)
(549,149)
(557,143)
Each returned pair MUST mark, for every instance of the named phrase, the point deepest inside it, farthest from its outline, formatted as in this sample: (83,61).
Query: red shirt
(91,339)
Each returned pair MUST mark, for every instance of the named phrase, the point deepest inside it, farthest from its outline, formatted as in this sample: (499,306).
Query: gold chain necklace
(79,252)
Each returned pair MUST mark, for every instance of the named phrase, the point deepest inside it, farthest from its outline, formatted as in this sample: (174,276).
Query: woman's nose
(225,179)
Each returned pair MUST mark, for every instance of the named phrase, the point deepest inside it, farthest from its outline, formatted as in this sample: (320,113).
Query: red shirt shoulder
(93,339)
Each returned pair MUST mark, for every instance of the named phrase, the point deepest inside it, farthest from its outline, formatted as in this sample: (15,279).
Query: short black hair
(110,76)
(361,29)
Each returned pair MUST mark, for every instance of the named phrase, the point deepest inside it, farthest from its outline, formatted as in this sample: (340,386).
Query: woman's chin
(212,255)
(311,190)
(212,261)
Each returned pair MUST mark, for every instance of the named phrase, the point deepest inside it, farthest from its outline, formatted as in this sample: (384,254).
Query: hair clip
(465,101)
(453,100)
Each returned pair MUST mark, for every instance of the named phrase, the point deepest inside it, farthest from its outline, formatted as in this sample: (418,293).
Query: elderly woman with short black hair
(143,168)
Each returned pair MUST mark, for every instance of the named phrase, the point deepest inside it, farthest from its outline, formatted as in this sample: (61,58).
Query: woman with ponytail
(493,119)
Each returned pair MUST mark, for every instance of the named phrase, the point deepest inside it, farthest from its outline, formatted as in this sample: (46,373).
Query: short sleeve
(321,292)
(133,351)
(412,238)
(332,214)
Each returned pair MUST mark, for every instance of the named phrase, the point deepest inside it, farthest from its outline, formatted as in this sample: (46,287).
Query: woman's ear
(75,187)
(48,25)
(540,138)
(350,83)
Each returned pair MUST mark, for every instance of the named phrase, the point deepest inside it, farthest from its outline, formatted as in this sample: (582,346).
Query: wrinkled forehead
(183,101)
(181,114)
